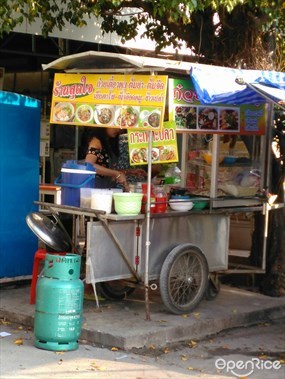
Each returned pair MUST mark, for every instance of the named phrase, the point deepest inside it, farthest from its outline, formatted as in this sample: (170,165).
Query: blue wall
(19,181)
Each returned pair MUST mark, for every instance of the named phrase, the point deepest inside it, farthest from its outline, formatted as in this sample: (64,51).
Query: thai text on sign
(108,100)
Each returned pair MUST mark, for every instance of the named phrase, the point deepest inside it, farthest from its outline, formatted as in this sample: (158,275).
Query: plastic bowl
(229,159)
(180,205)
(200,203)
(127,203)
(180,197)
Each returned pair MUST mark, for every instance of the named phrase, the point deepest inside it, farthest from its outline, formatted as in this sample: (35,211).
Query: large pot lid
(49,231)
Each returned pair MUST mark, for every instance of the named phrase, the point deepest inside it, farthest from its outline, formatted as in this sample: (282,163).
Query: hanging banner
(107,100)
(187,112)
(164,146)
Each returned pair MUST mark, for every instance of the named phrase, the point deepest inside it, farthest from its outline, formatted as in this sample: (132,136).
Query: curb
(123,325)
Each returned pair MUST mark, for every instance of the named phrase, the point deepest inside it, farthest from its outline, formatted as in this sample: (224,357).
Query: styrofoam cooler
(73,177)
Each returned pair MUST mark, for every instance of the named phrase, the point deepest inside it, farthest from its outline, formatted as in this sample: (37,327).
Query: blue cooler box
(73,177)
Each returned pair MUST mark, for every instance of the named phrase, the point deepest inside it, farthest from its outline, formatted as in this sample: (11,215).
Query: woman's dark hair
(111,145)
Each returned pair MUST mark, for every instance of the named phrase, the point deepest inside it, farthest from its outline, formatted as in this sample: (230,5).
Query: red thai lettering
(73,90)
(187,95)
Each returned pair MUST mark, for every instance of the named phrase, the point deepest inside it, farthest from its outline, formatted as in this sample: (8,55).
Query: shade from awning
(215,84)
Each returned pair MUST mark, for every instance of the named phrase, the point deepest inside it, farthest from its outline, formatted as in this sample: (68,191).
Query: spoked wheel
(114,290)
(183,278)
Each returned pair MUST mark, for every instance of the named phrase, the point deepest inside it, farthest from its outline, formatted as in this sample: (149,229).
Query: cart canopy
(214,84)
(105,62)
(224,85)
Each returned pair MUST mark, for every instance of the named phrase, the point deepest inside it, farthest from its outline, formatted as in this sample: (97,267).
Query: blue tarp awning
(215,84)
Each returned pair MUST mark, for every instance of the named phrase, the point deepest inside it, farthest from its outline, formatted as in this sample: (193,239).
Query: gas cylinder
(59,303)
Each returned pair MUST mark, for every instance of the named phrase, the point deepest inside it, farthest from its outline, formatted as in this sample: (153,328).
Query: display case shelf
(226,183)
(201,162)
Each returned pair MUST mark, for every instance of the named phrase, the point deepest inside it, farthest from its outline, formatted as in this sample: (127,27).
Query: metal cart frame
(116,252)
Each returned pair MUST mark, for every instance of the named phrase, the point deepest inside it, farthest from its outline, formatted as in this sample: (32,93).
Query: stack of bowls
(197,201)
(180,203)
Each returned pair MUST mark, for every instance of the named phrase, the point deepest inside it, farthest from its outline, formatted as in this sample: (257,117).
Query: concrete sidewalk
(123,324)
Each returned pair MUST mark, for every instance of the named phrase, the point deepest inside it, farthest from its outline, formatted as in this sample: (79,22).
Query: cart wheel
(183,278)
(213,288)
(114,290)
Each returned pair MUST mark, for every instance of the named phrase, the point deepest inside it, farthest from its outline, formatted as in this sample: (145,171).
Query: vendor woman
(103,154)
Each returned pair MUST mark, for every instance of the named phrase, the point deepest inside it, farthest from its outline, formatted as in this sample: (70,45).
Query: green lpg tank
(59,304)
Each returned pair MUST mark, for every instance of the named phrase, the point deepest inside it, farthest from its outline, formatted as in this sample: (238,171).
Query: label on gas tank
(69,301)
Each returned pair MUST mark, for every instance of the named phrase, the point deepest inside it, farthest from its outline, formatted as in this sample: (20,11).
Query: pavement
(124,325)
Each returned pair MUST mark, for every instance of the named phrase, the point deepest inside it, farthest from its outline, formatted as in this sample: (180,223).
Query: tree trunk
(273,282)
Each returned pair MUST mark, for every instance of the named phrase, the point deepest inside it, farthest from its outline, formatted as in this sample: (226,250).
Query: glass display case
(227,168)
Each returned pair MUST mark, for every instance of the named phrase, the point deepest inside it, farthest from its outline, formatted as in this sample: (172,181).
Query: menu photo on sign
(186,111)
(122,101)
(207,118)
(164,146)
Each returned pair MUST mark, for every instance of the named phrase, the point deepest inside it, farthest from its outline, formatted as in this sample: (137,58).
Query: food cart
(181,252)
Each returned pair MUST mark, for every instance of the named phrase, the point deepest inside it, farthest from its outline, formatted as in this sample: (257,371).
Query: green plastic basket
(128,203)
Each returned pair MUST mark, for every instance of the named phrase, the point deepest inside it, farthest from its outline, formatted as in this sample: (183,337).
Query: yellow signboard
(107,100)
(164,146)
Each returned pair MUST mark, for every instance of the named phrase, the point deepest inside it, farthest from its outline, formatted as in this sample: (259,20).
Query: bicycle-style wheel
(183,278)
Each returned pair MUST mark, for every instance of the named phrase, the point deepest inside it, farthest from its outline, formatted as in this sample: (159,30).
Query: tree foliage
(243,33)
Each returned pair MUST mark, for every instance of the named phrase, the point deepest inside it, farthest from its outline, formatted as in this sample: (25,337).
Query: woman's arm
(118,176)
(135,172)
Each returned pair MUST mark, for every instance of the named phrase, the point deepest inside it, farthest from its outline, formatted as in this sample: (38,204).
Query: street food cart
(183,252)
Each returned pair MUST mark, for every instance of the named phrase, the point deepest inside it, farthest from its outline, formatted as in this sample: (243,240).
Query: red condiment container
(144,199)
(160,199)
